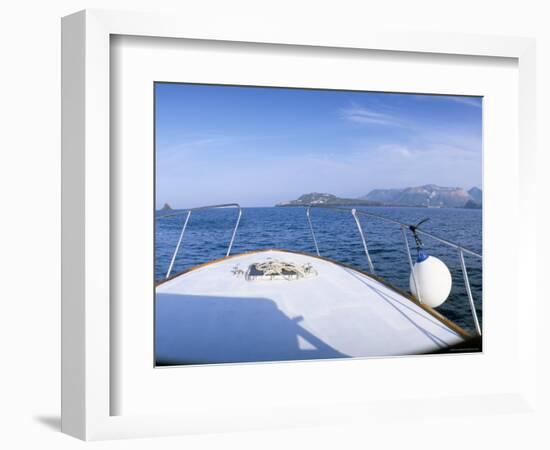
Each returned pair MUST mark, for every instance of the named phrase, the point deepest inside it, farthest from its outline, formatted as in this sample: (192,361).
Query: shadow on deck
(195,329)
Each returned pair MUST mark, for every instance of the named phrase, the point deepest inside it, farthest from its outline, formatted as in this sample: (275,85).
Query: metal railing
(187,213)
(404,227)
(356,216)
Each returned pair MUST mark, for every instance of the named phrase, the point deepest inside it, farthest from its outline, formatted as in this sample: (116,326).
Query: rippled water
(209,232)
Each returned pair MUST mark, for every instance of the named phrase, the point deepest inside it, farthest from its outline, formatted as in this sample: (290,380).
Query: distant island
(429,196)
(166,208)
(316,198)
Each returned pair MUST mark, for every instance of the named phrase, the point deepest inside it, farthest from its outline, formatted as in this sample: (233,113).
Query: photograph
(293,223)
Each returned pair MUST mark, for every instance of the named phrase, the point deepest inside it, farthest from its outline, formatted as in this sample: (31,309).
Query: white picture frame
(87,354)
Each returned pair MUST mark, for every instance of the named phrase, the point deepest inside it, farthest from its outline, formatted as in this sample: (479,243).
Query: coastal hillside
(316,198)
(429,195)
(476,195)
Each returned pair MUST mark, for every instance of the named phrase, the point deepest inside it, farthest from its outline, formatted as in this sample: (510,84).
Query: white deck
(209,315)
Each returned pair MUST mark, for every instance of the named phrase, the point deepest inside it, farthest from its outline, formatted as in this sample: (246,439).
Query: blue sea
(209,232)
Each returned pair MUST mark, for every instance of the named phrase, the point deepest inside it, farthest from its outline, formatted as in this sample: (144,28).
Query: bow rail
(357,214)
(404,227)
(187,213)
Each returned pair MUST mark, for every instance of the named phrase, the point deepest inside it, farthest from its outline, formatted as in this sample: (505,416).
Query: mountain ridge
(428,195)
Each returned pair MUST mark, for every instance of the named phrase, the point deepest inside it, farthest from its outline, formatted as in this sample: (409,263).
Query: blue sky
(259,146)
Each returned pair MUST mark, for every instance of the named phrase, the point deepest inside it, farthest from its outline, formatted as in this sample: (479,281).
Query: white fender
(433,278)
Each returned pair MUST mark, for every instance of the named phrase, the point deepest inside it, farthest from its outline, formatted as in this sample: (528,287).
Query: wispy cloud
(360,114)
(201,140)
(470,101)
(180,148)
(460,99)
